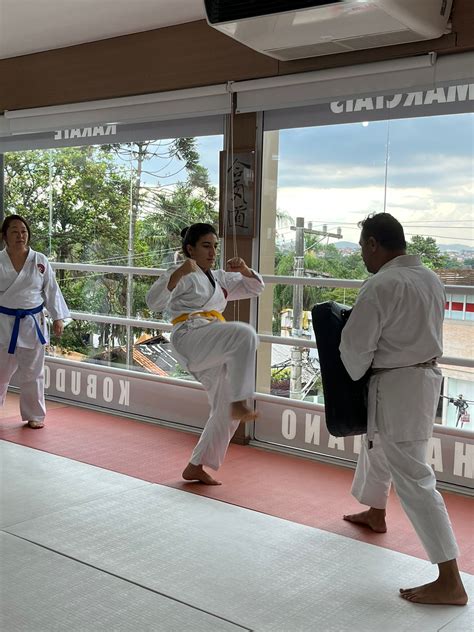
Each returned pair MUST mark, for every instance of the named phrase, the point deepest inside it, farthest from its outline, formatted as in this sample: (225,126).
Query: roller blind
(415,86)
(194,112)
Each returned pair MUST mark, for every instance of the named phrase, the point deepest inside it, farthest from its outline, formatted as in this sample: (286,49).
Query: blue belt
(19,314)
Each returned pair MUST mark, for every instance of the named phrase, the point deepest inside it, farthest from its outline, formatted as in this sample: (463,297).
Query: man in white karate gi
(396,329)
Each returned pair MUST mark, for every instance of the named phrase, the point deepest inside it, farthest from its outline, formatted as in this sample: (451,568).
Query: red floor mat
(303,491)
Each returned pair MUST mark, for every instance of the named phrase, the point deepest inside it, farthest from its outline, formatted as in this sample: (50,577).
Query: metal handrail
(271,279)
(280,340)
(268,278)
(347,283)
(121,320)
(92,267)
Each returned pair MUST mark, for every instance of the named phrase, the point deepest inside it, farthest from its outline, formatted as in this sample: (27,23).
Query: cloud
(335,175)
(421,148)
(413,207)
(422,169)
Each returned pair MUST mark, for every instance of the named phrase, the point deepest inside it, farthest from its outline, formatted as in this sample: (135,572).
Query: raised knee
(244,329)
(248,333)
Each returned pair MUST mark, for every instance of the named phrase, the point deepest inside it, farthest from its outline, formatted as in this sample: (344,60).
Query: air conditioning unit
(294,29)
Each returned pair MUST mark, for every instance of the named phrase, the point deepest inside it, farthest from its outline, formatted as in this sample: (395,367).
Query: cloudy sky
(335,174)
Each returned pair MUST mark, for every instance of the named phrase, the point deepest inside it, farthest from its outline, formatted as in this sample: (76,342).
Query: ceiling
(31,26)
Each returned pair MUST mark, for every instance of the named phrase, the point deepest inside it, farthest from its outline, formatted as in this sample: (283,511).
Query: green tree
(170,190)
(428,250)
(320,260)
(168,213)
(164,174)
(98,200)
(87,194)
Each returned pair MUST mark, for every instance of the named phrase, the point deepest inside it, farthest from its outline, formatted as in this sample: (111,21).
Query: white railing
(91,267)
(269,279)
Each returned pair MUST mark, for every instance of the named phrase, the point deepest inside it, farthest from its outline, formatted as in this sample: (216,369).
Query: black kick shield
(345,400)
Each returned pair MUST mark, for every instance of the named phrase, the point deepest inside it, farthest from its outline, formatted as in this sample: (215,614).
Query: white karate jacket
(33,285)
(194,292)
(397,322)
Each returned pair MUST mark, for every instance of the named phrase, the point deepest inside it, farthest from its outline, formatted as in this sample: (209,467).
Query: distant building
(459,306)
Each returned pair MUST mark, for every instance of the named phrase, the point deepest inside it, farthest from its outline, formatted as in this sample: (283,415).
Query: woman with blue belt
(27,285)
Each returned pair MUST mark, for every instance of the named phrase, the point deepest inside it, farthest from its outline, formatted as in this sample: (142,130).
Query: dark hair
(191,234)
(11,218)
(385,229)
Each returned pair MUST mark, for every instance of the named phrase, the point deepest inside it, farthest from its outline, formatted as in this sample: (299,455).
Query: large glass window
(318,182)
(114,205)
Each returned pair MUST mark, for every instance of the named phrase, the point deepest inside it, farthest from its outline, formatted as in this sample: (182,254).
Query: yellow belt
(211,314)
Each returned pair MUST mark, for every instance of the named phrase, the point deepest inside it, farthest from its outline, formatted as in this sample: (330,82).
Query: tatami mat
(46,592)
(253,570)
(32,485)
(308,492)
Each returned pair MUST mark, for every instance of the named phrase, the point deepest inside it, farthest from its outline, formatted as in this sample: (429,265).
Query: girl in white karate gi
(27,284)
(220,355)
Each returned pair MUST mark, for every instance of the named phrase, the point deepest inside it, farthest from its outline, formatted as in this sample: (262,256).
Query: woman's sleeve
(52,295)
(239,286)
(360,336)
(158,296)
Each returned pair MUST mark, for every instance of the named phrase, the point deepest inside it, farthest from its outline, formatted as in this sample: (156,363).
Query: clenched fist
(237,264)
(188,266)
(58,327)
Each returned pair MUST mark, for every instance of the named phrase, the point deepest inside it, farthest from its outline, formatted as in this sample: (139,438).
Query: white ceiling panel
(30,26)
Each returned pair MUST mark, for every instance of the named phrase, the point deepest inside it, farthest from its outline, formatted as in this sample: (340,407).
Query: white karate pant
(415,483)
(222,357)
(30,366)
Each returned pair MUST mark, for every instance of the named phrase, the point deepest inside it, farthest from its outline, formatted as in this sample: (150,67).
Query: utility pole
(135,187)
(296,386)
(296,354)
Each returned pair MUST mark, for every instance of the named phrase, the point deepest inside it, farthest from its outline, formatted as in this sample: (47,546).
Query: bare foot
(197,473)
(372,518)
(447,590)
(242,412)
(35,424)
(436,593)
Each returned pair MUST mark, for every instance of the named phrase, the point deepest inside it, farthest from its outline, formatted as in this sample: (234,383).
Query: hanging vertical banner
(237,193)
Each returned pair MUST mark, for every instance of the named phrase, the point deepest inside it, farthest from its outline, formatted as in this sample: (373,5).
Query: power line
(408,222)
(443,237)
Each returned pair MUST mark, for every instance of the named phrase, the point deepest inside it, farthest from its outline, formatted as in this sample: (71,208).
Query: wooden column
(245,138)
